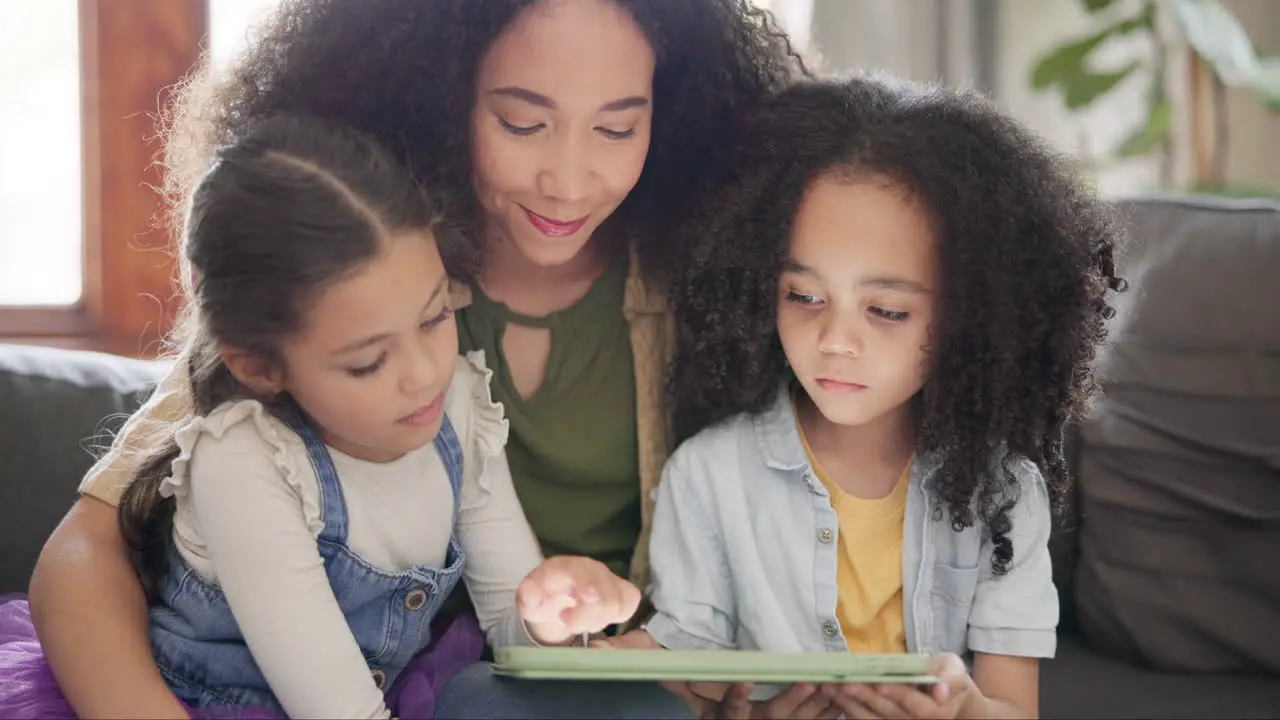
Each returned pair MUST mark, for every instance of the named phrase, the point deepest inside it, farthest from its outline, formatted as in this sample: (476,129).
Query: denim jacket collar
(778,435)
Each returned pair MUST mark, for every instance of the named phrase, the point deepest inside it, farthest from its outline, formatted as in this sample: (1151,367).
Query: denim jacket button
(379,678)
(830,629)
(825,535)
(415,600)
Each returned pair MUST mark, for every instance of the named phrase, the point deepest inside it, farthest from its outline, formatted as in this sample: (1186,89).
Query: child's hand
(719,701)
(634,640)
(724,701)
(944,700)
(567,596)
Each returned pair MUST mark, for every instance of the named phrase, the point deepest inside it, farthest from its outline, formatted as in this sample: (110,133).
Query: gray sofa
(56,408)
(1166,564)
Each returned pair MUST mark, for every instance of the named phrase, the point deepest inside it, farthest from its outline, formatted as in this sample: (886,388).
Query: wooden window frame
(132,53)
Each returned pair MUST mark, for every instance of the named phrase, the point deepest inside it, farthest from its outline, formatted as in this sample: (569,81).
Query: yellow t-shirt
(868,564)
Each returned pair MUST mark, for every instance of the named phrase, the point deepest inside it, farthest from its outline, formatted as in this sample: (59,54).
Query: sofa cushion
(56,407)
(1179,483)
(1082,683)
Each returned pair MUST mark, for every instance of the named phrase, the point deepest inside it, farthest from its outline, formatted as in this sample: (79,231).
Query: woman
(569,136)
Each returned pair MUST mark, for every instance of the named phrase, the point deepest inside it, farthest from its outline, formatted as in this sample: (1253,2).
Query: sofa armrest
(56,408)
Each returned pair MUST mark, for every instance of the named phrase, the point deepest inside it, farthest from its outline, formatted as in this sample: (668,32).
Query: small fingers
(597,606)
(634,640)
(910,701)
(847,705)
(737,704)
(787,703)
(698,704)
(945,665)
(879,705)
(536,604)
(814,705)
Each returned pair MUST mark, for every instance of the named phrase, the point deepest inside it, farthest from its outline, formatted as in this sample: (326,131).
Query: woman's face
(561,126)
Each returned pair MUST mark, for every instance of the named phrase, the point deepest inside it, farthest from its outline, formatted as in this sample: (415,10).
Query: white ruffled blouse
(248,515)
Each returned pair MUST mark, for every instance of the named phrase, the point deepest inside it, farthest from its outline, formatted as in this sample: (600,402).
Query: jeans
(477,694)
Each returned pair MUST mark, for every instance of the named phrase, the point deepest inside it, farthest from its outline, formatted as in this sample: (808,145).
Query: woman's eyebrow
(543,101)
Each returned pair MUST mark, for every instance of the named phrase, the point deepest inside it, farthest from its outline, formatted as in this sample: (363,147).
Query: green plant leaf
(1065,60)
(1153,132)
(1266,83)
(1067,65)
(1094,6)
(1082,88)
(1145,20)
(1218,36)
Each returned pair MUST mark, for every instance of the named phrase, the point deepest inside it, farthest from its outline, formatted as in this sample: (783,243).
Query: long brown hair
(286,209)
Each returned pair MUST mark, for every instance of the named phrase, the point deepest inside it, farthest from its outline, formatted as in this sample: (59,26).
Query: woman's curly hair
(404,73)
(1025,256)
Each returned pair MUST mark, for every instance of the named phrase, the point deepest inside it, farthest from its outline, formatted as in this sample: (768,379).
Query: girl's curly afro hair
(403,71)
(1025,252)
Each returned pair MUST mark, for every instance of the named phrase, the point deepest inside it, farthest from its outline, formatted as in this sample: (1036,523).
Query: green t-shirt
(572,447)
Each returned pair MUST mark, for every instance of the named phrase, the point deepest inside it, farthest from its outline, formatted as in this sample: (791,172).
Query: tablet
(728,666)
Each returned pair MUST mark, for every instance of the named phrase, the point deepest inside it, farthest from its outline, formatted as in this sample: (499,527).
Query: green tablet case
(544,663)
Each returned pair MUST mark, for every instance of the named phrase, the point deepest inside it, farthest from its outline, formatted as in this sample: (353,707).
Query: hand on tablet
(567,596)
(943,700)
(634,640)
(716,701)
(726,701)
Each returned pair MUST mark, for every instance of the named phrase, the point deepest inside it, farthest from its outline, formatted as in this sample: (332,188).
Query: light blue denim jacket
(744,554)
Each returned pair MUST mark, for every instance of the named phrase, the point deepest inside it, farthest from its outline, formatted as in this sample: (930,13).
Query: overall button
(825,535)
(379,678)
(414,601)
(830,629)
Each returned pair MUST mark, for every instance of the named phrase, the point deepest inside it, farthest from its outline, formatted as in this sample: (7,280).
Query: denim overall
(198,645)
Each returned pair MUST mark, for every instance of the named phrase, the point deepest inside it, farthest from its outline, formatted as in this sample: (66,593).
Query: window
(795,17)
(84,258)
(82,261)
(231,24)
(40,215)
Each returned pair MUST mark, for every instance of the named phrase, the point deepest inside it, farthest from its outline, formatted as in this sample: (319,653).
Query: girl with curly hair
(891,311)
(565,139)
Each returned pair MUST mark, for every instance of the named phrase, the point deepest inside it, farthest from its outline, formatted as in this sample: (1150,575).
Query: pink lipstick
(554,228)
